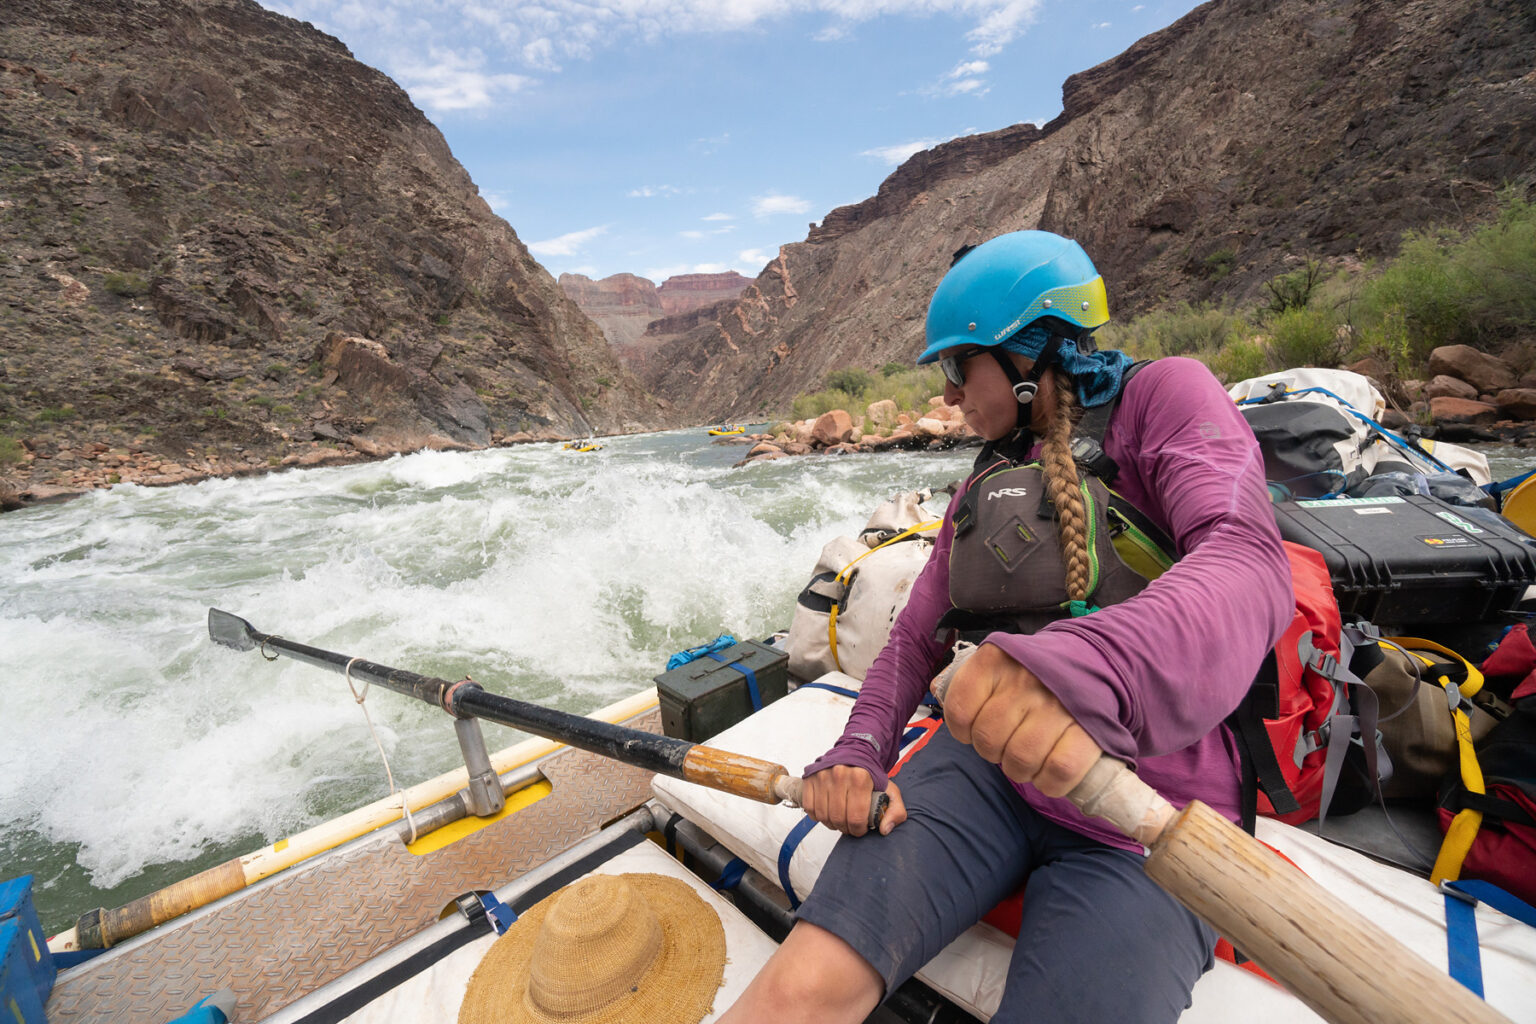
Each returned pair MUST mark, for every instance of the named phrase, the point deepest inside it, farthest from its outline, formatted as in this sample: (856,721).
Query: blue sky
(662,137)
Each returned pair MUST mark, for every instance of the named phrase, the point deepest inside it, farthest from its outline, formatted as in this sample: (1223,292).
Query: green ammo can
(707,696)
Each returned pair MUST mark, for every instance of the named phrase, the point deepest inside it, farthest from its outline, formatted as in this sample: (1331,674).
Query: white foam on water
(561,578)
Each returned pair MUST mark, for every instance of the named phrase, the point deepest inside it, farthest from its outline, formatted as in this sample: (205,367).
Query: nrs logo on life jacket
(1008,492)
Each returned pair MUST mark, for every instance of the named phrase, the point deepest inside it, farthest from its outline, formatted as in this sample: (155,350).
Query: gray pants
(1099,940)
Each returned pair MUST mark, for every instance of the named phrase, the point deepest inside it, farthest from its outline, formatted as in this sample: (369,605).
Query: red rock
(1461,410)
(832,428)
(1485,372)
(1517,403)
(1446,386)
(764,448)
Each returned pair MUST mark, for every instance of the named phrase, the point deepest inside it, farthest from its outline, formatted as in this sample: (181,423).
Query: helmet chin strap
(1024,388)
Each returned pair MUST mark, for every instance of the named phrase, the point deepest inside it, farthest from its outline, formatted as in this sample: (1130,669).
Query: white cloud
(1138,7)
(757,259)
(449,81)
(894,155)
(1102,25)
(719,216)
(964,79)
(695,235)
(539,35)
(774,204)
(496,201)
(566,245)
(654,191)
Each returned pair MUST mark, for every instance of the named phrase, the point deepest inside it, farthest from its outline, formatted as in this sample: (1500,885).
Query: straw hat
(604,950)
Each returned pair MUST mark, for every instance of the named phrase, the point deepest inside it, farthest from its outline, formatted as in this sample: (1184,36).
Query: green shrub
(1294,290)
(1218,264)
(891,369)
(10,451)
(1309,337)
(57,415)
(126,285)
(276,371)
(1447,289)
(850,379)
(1241,359)
(1198,329)
(810,406)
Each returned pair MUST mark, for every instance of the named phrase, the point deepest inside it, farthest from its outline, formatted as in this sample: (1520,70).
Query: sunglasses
(951,366)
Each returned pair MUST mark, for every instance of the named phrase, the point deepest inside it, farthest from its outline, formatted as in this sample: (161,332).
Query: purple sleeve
(900,675)
(1154,674)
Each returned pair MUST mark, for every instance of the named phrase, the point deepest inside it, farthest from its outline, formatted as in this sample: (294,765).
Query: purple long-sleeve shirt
(1149,679)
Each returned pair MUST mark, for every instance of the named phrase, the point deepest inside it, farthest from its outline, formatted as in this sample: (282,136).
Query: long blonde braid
(1062,482)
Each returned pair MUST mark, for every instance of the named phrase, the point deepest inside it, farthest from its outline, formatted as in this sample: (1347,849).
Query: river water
(133,751)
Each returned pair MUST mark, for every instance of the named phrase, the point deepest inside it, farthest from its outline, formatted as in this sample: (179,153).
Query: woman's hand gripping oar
(1348,969)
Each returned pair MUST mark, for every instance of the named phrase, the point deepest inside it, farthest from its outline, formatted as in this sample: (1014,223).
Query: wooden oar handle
(757,779)
(1343,965)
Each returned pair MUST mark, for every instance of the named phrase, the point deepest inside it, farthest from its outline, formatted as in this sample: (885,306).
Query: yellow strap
(843,577)
(1464,826)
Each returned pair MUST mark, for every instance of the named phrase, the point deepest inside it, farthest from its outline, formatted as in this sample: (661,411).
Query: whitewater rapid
(135,751)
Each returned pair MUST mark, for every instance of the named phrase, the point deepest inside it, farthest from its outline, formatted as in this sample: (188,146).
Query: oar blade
(231,630)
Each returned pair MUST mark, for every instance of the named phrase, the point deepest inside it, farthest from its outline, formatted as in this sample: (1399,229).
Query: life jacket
(1006,571)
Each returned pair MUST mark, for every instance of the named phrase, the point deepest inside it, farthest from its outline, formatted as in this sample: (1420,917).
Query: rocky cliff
(625,305)
(223,240)
(1205,159)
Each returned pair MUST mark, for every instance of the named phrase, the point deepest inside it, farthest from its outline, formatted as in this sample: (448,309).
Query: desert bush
(1188,329)
(909,387)
(850,379)
(1311,336)
(57,415)
(126,285)
(10,451)
(1446,288)
(810,406)
(1241,359)
(1294,290)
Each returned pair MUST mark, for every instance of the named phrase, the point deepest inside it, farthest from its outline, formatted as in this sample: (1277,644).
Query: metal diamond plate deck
(312,923)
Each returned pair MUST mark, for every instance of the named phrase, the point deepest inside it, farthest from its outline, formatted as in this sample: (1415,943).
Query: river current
(133,751)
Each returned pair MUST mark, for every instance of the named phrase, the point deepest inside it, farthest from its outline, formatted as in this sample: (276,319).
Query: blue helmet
(1003,285)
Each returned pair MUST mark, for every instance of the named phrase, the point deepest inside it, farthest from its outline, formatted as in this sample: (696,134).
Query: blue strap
(1465,961)
(828,686)
(1498,899)
(757,698)
(1498,489)
(498,913)
(1399,442)
(787,853)
(730,875)
(683,657)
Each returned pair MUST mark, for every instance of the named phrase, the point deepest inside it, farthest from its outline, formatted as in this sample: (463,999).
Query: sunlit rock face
(1204,160)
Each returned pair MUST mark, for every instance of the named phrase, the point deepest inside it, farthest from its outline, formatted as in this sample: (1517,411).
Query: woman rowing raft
(1079,655)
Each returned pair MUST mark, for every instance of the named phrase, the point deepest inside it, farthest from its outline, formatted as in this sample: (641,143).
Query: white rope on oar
(361,699)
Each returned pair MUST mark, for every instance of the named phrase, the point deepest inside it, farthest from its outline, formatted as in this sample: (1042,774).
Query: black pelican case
(1414,559)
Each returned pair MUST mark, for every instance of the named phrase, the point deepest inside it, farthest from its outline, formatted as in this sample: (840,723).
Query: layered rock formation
(625,306)
(1207,158)
(198,196)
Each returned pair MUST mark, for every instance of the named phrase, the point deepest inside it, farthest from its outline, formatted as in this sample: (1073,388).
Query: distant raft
(726,430)
(583,446)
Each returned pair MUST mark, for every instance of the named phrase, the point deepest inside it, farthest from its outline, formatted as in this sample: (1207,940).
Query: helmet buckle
(1024,391)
